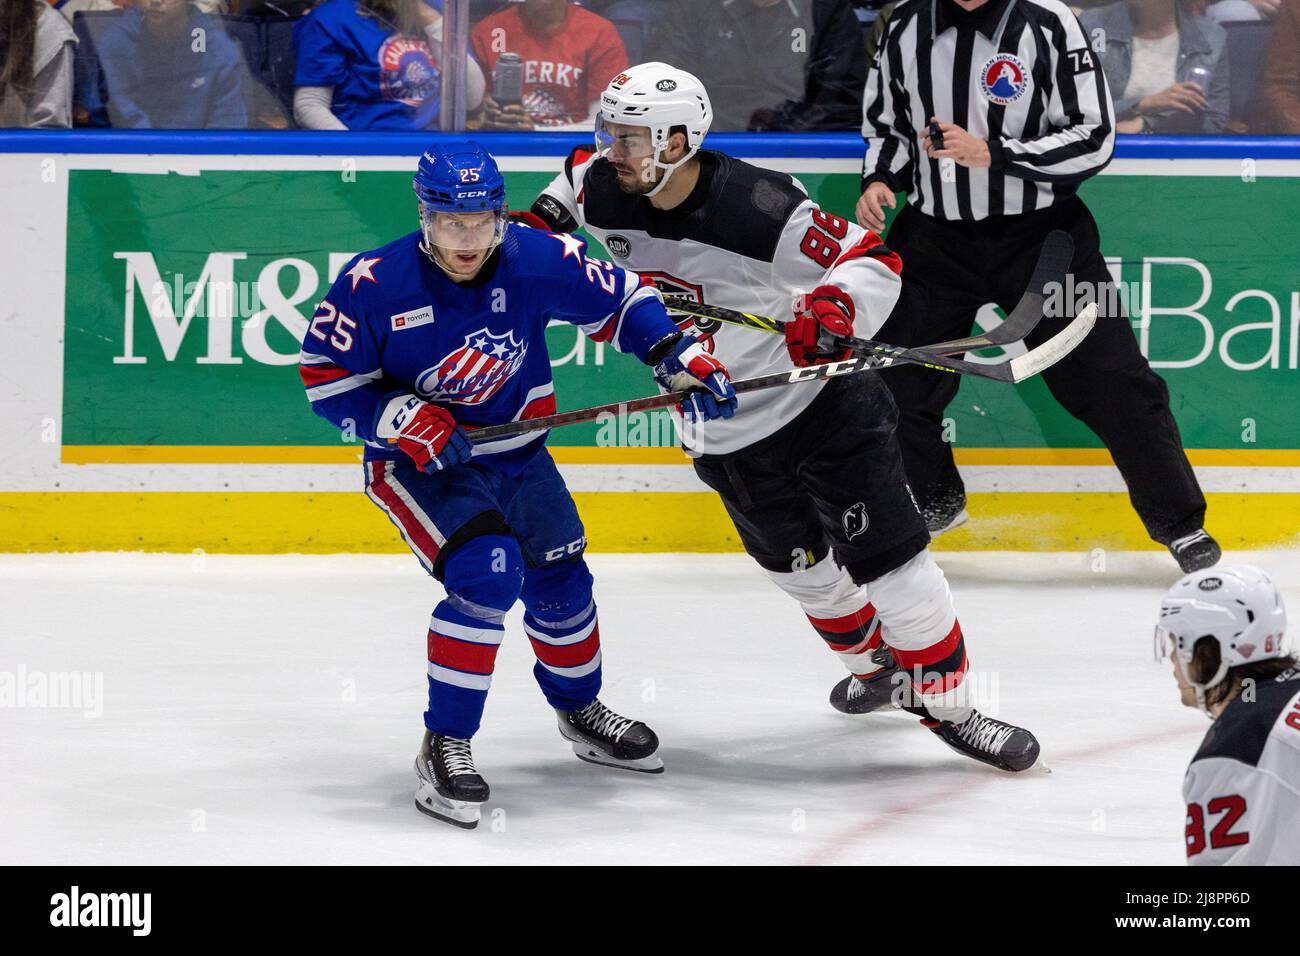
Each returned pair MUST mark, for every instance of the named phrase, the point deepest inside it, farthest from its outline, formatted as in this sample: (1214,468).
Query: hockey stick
(812,373)
(875,355)
(1013,370)
(1053,262)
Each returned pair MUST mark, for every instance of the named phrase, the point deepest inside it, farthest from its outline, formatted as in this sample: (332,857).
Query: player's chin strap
(1200,689)
(669,168)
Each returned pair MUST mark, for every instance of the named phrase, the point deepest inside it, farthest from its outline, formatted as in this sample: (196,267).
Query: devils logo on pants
(855,520)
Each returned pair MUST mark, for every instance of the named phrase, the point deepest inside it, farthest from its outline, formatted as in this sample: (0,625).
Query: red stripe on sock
(567,655)
(849,622)
(932,654)
(462,655)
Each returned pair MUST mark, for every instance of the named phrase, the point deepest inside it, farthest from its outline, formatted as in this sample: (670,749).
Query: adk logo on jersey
(618,246)
(1004,79)
(855,520)
(475,372)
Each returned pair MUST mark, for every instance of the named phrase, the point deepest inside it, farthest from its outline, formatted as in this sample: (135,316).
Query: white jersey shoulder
(1242,788)
(755,242)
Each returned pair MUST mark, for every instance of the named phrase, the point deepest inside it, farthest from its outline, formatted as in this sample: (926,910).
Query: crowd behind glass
(790,65)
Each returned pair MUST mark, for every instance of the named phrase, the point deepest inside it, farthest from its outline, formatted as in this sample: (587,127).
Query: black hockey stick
(1053,262)
(1008,370)
(876,355)
(579,415)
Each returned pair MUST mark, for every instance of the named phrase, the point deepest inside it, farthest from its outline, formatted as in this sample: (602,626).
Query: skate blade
(456,812)
(650,764)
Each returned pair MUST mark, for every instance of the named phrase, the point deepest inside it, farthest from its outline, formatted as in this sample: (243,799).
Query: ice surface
(267,710)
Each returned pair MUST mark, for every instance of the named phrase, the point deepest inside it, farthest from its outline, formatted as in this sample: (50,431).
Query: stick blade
(1054,349)
(1053,263)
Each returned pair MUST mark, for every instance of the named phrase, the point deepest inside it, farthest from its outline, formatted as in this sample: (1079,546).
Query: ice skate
(601,736)
(862,695)
(450,787)
(1196,551)
(990,741)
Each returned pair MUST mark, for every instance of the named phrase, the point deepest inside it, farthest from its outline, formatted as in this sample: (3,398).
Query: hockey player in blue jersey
(441,331)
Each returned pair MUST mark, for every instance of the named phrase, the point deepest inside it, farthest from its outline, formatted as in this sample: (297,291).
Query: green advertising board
(136,372)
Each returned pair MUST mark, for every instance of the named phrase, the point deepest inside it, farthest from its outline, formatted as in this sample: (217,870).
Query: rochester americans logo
(1004,79)
(408,72)
(476,371)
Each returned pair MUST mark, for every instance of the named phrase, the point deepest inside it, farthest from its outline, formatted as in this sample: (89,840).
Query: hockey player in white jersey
(811,475)
(1225,630)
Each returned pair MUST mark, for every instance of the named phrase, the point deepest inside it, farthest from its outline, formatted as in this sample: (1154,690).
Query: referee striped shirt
(1018,73)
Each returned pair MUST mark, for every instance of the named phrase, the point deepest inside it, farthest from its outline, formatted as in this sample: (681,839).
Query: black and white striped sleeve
(890,156)
(1079,114)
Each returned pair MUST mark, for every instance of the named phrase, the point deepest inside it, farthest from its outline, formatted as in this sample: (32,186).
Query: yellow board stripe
(279,522)
(584,455)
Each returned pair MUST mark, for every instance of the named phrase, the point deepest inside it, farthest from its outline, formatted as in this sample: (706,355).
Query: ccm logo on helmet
(474,194)
(666,86)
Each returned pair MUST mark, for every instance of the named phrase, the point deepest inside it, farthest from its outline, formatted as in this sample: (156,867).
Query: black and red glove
(821,319)
(524,217)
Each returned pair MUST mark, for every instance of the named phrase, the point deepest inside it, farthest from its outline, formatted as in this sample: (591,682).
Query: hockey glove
(427,433)
(689,366)
(820,318)
(523,217)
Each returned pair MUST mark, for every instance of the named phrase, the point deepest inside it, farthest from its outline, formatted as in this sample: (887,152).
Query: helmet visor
(463,231)
(629,148)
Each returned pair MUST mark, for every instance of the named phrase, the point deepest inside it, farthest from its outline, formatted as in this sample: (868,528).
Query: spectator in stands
(1242,11)
(70,8)
(168,65)
(36,49)
(1166,66)
(1282,74)
(372,65)
(567,54)
(770,64)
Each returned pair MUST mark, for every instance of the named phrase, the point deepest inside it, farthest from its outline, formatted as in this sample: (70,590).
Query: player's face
(1186,692)
(630,152)
(463,241)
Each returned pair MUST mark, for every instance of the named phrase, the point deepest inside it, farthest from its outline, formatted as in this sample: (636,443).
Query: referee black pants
(950,270)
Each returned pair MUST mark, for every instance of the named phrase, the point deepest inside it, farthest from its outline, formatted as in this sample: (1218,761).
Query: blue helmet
(459,177)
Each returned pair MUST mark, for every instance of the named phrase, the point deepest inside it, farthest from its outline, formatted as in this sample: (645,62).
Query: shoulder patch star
(363,270)
(572,245)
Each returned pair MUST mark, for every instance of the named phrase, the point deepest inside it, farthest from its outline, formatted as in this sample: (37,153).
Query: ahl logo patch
(412,319)
(1004,79)
(855,520)
(618,246)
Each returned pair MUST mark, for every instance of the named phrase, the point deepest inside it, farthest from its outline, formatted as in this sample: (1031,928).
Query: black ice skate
(450,787)
(1195,551)
(601,736)
(998,744)
(945,512)
(862,695)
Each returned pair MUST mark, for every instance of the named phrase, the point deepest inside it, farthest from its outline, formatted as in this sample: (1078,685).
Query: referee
(1024,115)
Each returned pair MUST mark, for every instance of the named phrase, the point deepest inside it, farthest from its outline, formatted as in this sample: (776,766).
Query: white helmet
(658,97)
(1239,607)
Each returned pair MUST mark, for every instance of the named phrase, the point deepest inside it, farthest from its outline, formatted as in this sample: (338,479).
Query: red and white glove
(427,433)
(820,318)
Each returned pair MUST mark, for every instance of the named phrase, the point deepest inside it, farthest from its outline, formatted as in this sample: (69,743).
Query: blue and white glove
(689,366)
